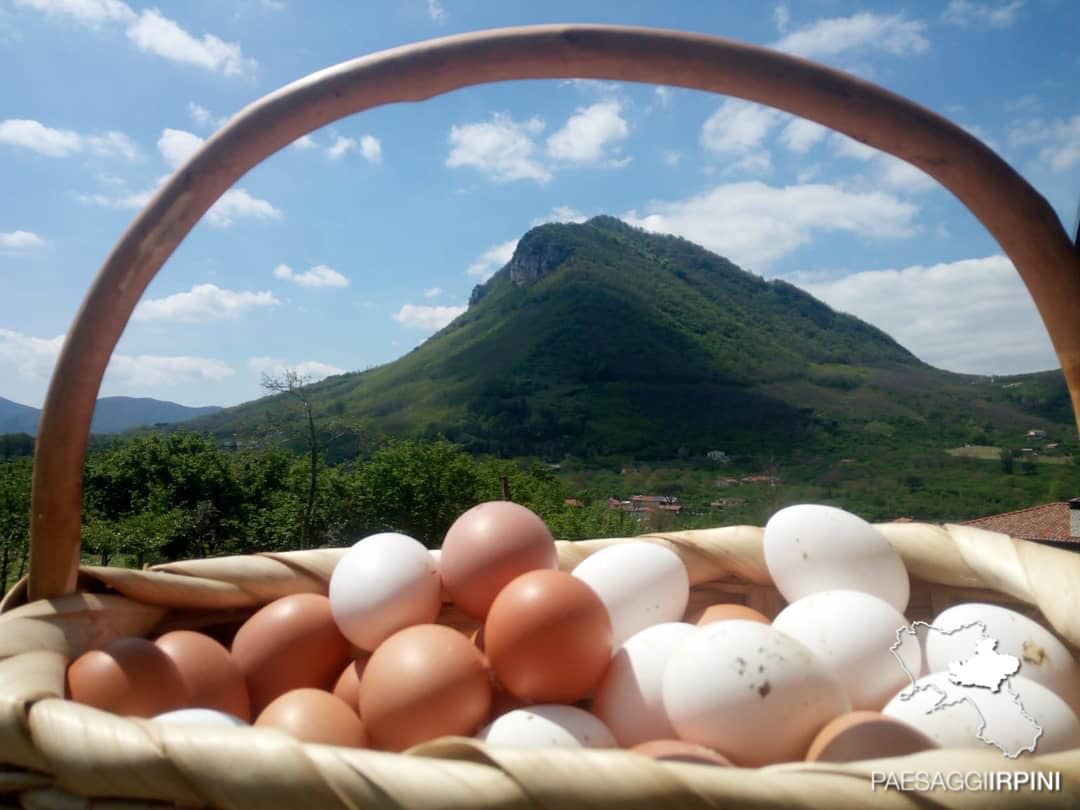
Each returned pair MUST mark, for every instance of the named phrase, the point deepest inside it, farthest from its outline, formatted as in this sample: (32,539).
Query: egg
(314,716)
(958,724)
(382,584)
(640,584)
(212,679)
(548,726)
(629,699)
(679,751)
(726,611)
(851,635)
(548,637)
(866,735)
(424,682)
(347,686)
(200,717)
(1042,657)
(487,547)
(129,676)
(291,643)
(750,692)
(810,548)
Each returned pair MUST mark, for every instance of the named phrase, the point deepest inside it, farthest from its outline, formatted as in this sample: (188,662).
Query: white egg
(199,717)
(548,725)
(384,583)
(629,699)
(997,714)
(641,584)
(851,634)
(752,693)
(1042,657)
(810,548)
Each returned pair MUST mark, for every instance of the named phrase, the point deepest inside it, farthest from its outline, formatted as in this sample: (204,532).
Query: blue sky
(347,249)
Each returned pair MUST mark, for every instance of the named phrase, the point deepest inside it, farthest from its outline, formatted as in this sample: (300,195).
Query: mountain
(601,340)
(111,415)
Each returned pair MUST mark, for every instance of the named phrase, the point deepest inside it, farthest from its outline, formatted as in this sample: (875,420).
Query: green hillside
(601,341)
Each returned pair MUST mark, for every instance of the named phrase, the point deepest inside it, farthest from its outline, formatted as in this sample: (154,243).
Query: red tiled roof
(1050,521)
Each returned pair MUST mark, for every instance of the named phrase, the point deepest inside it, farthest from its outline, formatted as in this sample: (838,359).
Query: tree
(14,517)
(1007,462)
(293,383)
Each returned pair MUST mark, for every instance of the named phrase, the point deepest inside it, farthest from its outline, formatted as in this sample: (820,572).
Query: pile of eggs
(603,656)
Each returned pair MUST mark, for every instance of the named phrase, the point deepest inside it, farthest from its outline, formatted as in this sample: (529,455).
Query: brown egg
(866,735)
(129,676)
(548,637)
(679,751)
(348,683)
(314,716)
(424,682)
(487,547)
(212,679)
(728,610)
(291,643)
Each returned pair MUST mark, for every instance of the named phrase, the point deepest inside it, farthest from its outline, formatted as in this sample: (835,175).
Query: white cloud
(305,143)
(114,143)
(502,149)
(205,302)
(559,213)
(436,11)
(155,33)
(754,224)
(588,133)
(177,145)
(849,147)
(152,32)
(31,359)
(339,147)
(891,172)
(756,163)
(965,13)
(153,370)
(61,143)
(671,157)
(737,127)
(433,292)
(663,95)
(781,16)
(492,260)
(236,203)
(371,149)
(417,316)
(1058,140)
(26,357)
(893,34)
(20,241)
(972,315)
(899,175)
(311,370)
(800,135)
(320,275)
(37,137)
(92,13)
(199,114)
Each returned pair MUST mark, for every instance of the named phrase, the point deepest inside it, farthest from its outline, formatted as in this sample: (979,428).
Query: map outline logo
(984,647)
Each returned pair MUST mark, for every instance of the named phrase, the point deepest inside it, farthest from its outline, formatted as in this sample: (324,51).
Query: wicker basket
(58,754)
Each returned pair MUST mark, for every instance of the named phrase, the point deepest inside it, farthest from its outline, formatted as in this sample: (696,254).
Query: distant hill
(112,414)
(601,340)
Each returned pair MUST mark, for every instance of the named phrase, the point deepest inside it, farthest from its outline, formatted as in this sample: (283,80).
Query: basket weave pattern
(60,749)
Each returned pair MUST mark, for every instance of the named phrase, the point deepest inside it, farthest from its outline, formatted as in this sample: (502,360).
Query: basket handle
(1016,215)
